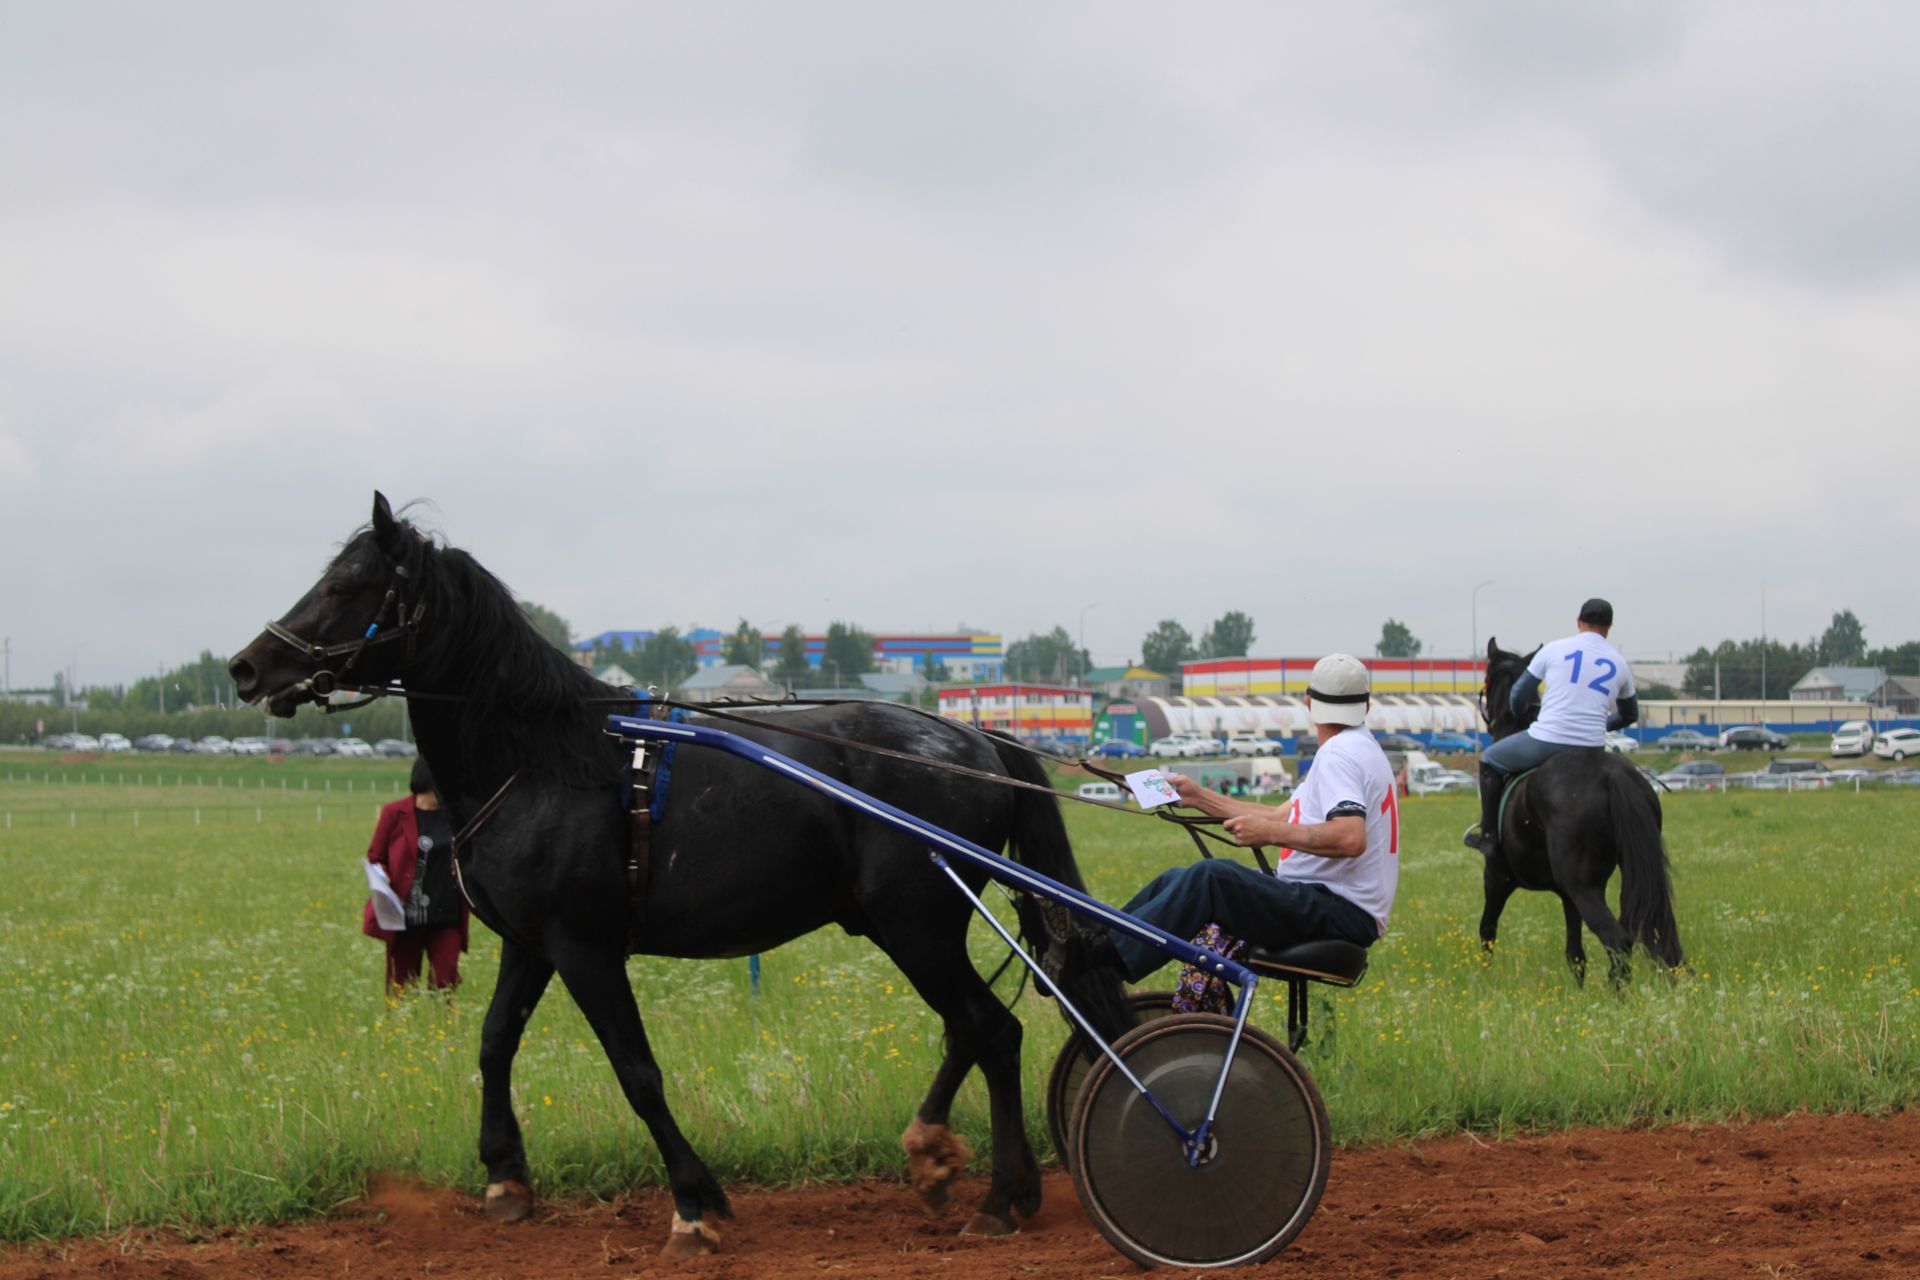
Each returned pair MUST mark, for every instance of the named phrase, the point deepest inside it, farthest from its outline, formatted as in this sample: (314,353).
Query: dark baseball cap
(1597,612)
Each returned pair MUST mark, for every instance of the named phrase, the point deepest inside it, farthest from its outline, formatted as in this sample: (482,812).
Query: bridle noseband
(323,683)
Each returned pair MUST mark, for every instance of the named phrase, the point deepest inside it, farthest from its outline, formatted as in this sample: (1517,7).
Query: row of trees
(667,658)
(1769,667)
(1169,644)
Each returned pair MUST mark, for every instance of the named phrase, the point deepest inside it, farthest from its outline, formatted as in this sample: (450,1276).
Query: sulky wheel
(1076,1059)
(1264,1167)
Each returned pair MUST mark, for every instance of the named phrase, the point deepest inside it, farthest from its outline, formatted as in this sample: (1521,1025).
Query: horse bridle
(323,683)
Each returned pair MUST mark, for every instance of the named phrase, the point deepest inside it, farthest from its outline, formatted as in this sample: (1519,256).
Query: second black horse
(1565,827)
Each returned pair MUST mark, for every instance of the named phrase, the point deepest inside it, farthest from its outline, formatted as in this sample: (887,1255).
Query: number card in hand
(1151,788)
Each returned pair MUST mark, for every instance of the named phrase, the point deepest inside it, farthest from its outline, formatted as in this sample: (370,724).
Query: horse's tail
(1040,843)
(1646,888)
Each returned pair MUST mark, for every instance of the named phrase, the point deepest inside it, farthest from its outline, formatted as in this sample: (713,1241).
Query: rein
(1196,826)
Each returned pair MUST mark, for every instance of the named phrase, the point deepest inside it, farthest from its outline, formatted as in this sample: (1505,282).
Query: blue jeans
(1519,752)
(1263,909)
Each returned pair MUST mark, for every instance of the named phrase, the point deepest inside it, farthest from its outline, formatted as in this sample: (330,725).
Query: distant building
(1026,711)
(1231,677)
(1899,696)
(1128,682)
(965,655)
(715,683)
(1838,684)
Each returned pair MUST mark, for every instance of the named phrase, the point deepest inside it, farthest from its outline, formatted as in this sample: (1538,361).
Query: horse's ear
(1493,649)
(386,529)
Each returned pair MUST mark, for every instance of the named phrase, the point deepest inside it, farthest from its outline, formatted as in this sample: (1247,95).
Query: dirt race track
(1804,1198)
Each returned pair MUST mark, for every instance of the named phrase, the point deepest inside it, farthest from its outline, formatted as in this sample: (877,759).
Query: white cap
(1339,690)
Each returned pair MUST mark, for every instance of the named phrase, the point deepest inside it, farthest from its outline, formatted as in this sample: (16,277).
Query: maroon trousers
(440,945)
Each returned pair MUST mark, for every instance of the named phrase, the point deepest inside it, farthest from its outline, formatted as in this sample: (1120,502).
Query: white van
(1854,738)
(1099,791)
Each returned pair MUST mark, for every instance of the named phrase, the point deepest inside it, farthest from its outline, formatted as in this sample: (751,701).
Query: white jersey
(1350,775)
(1584,679)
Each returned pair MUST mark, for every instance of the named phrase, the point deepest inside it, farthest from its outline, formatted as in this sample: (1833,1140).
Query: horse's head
(1503,668)
(359,623)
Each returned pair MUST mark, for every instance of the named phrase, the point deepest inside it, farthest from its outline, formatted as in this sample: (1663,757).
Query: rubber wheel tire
(1267,1158)
(1071,1064)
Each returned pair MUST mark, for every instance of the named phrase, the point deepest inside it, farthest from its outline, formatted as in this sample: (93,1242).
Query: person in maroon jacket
(413,841)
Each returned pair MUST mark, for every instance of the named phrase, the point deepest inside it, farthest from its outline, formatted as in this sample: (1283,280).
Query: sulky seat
(1336,963)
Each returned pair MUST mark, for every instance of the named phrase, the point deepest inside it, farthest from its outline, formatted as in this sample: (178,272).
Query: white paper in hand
(1151,788)
(388,912)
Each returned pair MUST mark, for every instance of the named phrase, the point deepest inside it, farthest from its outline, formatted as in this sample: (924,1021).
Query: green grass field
(193,1030)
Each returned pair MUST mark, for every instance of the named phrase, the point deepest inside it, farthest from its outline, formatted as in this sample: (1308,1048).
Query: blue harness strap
(661,772)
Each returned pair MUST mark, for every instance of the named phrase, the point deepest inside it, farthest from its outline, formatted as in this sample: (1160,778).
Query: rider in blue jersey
(1586,692)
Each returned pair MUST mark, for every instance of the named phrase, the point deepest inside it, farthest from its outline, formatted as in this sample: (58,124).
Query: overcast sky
(1007,315)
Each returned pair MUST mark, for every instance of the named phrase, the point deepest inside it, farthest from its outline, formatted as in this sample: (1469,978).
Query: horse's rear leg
(1576,945)
(979,1029)
(523,979)
(1591,903)
(597,980)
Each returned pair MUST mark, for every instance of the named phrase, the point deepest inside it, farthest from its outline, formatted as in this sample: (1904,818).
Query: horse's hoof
(985,1224)
(509,1201)
(935,1156)
(690,1239)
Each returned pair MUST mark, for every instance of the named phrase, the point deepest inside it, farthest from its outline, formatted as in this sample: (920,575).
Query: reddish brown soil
(1809,1198)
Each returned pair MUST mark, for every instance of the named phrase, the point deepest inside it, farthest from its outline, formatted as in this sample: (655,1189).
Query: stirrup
(1475,839)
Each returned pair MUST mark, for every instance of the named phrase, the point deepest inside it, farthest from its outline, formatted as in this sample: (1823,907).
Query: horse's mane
(521,696)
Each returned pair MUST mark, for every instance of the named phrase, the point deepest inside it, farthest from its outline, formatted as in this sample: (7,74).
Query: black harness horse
(514,733)
(1565,827)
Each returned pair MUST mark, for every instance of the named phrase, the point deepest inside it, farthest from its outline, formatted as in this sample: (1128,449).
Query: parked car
(247,747)
(1695,775)
(1754,738)
(1450,742)
(1621,742)
(1688,740)
(1783,775)
(82,742)
(1397,742)
(279,746)
(351,747)
(1852,738)
(1098,791)
(1433,779)
(183,746)
(114,742)
(1118,749)
(1183,746)
(1897,744)
(395,747)
(1252,744)
(153,742)
(213,745)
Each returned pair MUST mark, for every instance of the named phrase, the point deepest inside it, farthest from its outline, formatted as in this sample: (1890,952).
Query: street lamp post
(1083,639)
(73,664)
(1473,649)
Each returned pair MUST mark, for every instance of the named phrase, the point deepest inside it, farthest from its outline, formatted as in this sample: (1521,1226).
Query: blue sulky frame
(943,847)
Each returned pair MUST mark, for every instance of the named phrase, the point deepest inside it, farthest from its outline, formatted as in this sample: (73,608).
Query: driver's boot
(1485,836)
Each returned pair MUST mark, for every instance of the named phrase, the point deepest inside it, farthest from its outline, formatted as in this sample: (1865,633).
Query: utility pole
(6,647)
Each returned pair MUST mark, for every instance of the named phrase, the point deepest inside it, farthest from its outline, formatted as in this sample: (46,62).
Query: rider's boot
(1485,836)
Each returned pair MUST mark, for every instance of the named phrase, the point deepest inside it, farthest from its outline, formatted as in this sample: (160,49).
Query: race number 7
(1599,683)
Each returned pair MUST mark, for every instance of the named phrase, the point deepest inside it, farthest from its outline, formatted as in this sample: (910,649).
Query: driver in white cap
(1338,841)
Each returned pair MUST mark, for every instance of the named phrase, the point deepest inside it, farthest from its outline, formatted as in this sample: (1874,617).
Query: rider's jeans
(1246,903)
(1519,752)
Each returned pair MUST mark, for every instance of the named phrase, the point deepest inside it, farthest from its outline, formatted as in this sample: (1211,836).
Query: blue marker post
(753,972)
